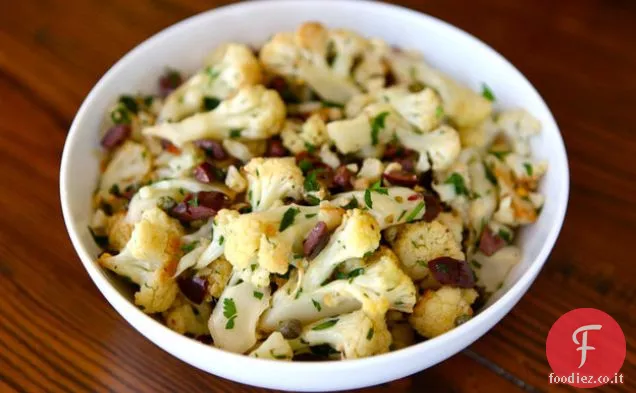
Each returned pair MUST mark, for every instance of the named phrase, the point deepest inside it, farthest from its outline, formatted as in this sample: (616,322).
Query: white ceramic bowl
(184,46)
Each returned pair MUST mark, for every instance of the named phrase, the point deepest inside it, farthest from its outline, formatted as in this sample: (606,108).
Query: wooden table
(57,333)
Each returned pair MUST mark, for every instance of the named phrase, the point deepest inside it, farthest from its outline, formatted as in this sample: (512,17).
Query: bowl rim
(124,307)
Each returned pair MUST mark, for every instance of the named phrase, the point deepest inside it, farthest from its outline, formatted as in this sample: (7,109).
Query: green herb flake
(186,248)
(221,240)
(325,325)
(505,235)
(311,182)
(194,201)
(120,115)
(439,112)
(229,312)
(487,93)
(501,155)
(310,148)
(148,100)
(355,273)
(277,356)
(415,212)
(312,200)
(210,103)
(129,103)
(114,190)
(490,175)
(235,133)
(258,295)
(476,264)
(458,182)
(353,203)
(377,124)
(305,165)
(331,104)
(370,334)
(401,215)
(298,293)
(528,167)
(212,73)
(377,187)
(367,198)
(288,218)
(317,305)
(311,215)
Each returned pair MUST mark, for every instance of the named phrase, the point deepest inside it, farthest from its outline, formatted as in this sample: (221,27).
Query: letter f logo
(584,347)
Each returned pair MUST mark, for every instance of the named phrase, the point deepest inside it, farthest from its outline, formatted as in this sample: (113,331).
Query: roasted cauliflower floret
(368,132)
(118,230)
(235,317)
(354,335)
(270,238)
(491,271)
(437,311)
(378,275)
(418,243)
(216,275)
(228,68)
(253,113)
(129,166)
(149,260)
(464,106)
(421,109)
(169,165)
(234,180)
(274,347)
(358,234)
(336,64)
(519,127)
(389,206)
(271,180)
(186,318)
(310,135)
(438,148)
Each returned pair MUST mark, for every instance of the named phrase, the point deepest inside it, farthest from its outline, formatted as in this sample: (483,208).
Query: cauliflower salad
(327,196)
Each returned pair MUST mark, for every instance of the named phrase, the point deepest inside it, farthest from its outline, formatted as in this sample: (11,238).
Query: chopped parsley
(221,240)
(194,201)
(312,201)
(504,235)
(370,334)
(186,248)
(489,175)
(401,215)
(311,215)
(310,147)
(325,325)
(353,203)
(130,103)
(367,198)
(258,295)
(331,104)
(298,293)
(210,103)
(476,264)
(235,133)
(377,187)
(253,266)
(415,212)
(487,93)
(458,182)
(114,189)
(277,356)
(229,312)
(288,218)
(377,124)
(528,168)
(211,73)
(316,304)
(439,112)
(311,182)
(305,165)
(501,155)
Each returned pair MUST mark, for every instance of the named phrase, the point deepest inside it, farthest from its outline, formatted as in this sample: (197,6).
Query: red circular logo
(586,348)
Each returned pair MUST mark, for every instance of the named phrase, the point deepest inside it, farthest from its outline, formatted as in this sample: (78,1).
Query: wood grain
(58,334)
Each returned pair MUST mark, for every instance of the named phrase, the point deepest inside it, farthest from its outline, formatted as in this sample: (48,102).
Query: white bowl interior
(184,46)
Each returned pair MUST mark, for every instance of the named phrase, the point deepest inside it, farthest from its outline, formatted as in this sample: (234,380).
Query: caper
(166,203)
(290,329)
(462,319)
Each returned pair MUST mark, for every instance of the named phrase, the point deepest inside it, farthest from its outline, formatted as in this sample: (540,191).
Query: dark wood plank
(58,334)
